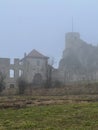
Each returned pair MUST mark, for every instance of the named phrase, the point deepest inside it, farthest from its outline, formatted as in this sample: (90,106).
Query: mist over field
(42,25)
(49,64)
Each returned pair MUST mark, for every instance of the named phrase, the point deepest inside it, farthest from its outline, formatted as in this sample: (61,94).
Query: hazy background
(42,24)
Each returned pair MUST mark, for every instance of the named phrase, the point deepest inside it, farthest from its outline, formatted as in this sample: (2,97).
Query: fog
(42,25)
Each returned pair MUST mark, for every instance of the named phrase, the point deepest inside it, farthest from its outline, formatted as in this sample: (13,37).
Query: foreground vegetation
(61,116)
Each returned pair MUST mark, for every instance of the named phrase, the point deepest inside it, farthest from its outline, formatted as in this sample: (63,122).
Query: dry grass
(27,101)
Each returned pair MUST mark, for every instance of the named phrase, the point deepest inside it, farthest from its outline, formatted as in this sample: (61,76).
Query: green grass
(74,116)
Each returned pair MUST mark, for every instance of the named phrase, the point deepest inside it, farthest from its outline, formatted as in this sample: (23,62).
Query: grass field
(69,116)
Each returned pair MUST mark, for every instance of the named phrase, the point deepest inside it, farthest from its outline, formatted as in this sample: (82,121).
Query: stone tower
(79,60)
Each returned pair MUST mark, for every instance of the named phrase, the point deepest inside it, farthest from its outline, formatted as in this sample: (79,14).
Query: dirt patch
(22,102)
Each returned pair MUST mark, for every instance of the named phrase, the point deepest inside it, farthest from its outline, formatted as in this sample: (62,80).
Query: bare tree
(49,72)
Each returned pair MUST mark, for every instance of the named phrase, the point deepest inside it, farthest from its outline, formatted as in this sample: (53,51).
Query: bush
(2,82)
(57,84)
(22,84)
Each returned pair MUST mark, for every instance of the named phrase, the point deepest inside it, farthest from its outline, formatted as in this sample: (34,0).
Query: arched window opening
(12,73)
(37,79)
(20,73)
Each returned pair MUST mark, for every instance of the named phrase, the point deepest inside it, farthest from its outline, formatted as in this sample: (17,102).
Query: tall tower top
(71,38)
(71,35)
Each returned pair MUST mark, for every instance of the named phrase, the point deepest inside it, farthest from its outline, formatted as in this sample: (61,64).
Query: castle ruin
(79,62)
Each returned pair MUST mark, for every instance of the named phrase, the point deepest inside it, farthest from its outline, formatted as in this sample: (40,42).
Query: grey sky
(42,24)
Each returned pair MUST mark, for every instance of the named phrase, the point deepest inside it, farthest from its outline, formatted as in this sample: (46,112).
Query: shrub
(2,82)
(22,84)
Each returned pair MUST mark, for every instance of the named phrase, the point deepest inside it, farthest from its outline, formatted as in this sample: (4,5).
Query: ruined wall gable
(35,63)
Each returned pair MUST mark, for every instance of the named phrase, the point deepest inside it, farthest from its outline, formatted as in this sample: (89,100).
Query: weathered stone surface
(33,68)
(79,63)
(79,60)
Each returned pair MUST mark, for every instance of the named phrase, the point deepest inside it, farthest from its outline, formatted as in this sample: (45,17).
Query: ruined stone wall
(79,61)
(11,71)
(34,66)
